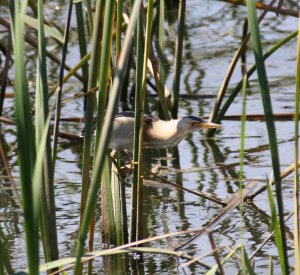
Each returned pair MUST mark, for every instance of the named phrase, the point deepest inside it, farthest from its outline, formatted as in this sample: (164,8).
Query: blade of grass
(90,104)
(177,59)
(82,47)
(242,156)
(119,29)
(140,186)
(90,14)
(276,227)
(296,173)
(109,231)
(214,269)
(25,136)
(246,262)
(267,104)
(34,23)
(137,107)
(48,217)
(161,47)
(101,149)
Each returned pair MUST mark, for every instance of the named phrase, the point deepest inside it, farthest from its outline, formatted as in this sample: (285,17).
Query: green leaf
(276,226)
(49,30)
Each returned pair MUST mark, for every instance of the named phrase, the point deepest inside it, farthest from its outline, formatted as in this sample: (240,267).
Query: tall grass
(139,47)
(296,175)
(103,142)
(267,105)
(25,136)
(48,217)
(178,57)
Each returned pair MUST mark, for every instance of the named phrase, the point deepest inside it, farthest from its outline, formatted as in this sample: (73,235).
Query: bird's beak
(208,125)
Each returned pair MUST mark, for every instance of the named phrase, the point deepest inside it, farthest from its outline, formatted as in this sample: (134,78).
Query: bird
(157,133)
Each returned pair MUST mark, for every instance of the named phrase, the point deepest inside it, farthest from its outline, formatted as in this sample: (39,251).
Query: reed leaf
(271,268)
(89,106)
(108,231)
(242,156)
(267,104)
(25,135)
(214,268)
(276,227)
(90,14)
(140,185)
(48,217)
(161,48)
(137,107)
(38,172)
(104,139)
(82,45)
(246,262)
(52,31)
(119,29)
(178,57)
(296,156)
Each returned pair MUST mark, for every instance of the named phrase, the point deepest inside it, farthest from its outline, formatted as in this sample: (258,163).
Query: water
(212,35)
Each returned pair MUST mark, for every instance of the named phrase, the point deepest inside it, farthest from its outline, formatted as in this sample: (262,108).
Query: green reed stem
(104,66)
(90,14)
(178,57)
(161,40)
(276,227)
(82,44)
(140,185)
(267,104)
(109,230)
(161,49)
(60,85)
(104,139)
(242,156)
(138,88)
(119,28)
(25,136)
(90,103)
(48,217)
(296,156)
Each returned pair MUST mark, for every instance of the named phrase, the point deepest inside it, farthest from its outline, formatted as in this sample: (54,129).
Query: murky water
(213,34)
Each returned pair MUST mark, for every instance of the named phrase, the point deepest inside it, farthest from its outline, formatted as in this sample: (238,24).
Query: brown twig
(289,170)
(6,167)
(232,202)
(261,6)
(216,254)
(198,193)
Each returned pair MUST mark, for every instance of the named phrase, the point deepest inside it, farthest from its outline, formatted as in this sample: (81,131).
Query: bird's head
(193,123)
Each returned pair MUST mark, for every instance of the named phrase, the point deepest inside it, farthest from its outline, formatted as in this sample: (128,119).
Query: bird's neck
(164,133)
